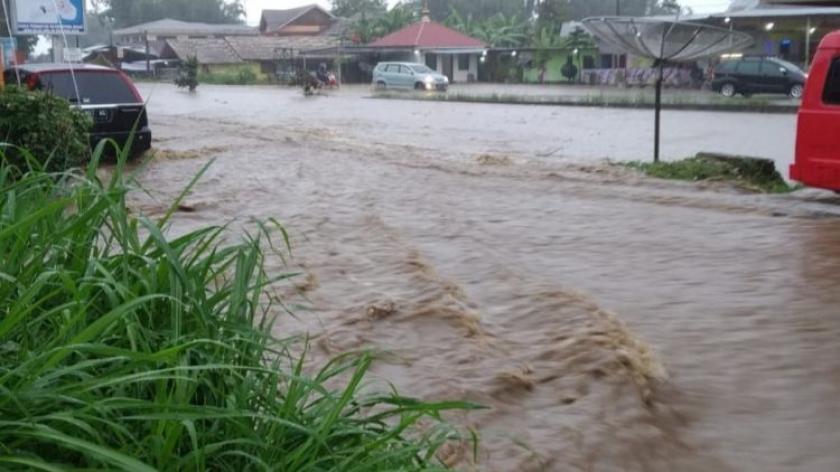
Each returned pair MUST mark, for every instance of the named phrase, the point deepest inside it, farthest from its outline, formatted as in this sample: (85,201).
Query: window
(406,70)
(727,67)
(392,68)
(773,69)
(94,88)
(431,60)
(831,91)
(749,67)
(463,62)
(422,70)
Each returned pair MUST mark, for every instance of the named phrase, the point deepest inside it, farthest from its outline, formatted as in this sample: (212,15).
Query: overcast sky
(254,7)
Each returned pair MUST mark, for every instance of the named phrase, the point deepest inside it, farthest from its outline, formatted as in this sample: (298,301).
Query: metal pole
(340,61)
(148,60)
(658,110)
(807,42)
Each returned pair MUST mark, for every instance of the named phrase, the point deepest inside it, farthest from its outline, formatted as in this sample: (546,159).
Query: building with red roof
(450,52)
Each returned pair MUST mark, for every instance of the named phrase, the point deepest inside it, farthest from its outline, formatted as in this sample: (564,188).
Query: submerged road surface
(611,322)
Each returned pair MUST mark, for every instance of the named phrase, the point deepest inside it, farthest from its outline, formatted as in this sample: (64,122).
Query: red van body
(818,132)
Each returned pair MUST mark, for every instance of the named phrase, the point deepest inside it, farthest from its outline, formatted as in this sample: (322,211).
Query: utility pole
(807,42)
(148,60)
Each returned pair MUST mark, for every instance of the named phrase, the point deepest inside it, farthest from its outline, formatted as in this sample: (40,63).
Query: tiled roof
(427,34)
(273,20)
(206,50)
(176,27)
(265,48)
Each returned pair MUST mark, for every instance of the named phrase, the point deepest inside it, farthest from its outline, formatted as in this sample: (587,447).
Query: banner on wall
(8,46)
(48,17)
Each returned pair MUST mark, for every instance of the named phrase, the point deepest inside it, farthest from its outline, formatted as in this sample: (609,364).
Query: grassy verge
(757,175)
(710,103)
(243,77)
(124,349)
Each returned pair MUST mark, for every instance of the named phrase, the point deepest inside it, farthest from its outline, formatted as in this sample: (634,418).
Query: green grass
(122,348)
(627,100)
(234,77)
(746,173)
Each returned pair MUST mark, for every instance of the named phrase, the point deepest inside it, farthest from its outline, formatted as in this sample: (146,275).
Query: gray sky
(254,7)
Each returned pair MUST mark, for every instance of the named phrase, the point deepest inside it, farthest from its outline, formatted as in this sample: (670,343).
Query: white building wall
(465,74)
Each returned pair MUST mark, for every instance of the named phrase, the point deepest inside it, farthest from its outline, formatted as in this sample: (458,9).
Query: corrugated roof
(273,20)
(265,48)
(172,27)
(780,12)
(426,34)
(206,50)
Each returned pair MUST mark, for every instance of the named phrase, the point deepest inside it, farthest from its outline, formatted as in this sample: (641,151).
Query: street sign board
(73,55)
(30,17)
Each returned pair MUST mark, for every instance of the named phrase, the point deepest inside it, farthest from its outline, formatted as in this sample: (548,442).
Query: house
(790,32)
(275,52)
(161,30)
(215,55)
(443,49)
(306,20)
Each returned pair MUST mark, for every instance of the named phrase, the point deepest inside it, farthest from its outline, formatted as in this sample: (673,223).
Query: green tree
(356,8)
(552,14)
(545,42)
(498,30)
(366,28)
(132,12)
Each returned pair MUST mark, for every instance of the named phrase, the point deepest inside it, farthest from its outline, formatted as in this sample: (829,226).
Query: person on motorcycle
(322,74)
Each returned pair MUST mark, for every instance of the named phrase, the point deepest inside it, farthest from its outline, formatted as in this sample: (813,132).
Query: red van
(818,132)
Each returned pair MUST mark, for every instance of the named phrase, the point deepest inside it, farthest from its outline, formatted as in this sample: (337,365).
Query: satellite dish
(665,40)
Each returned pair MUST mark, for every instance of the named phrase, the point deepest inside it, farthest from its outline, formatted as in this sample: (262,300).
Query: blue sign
(49,16)
(8,46)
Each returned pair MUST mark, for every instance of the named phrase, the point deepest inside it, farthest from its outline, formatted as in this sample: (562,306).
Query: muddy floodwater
(609,322)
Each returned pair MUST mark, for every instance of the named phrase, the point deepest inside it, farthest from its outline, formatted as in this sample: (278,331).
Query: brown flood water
(609,322)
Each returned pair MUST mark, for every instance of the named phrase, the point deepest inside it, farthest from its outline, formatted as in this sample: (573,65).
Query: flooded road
(610,322)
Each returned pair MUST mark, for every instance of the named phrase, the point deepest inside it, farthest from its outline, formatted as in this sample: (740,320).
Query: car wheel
(419,86)
(381,85)
(727,90)
(796,91)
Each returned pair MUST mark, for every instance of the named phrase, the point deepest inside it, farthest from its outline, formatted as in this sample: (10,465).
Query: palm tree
(544,42)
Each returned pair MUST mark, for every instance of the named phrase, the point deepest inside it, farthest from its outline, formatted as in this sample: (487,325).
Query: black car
(749,75)
(107,95)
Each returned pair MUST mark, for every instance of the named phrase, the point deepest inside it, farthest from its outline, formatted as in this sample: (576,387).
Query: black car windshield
(422,69)
(95,88)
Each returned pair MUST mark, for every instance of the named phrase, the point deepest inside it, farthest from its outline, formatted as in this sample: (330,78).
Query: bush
(235,76)
(123,349)
(54,132)
(748,173)
(188,74)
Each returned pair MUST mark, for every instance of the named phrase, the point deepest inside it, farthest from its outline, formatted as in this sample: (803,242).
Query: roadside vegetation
(638,100)
(758,175)
(238,76)
(124,348)
(46,126)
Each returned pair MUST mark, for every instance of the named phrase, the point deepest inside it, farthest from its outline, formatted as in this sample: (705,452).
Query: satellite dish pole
(665,40)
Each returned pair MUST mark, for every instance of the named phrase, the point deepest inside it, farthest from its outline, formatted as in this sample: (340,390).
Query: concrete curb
(769,109)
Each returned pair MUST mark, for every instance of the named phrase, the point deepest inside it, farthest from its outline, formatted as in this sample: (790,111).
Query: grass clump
(753,174)
(124,349)
(237,76)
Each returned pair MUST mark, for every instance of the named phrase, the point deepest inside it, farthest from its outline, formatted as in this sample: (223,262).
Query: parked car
(107,95)
(408,75)
(749,75)
(818,131)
